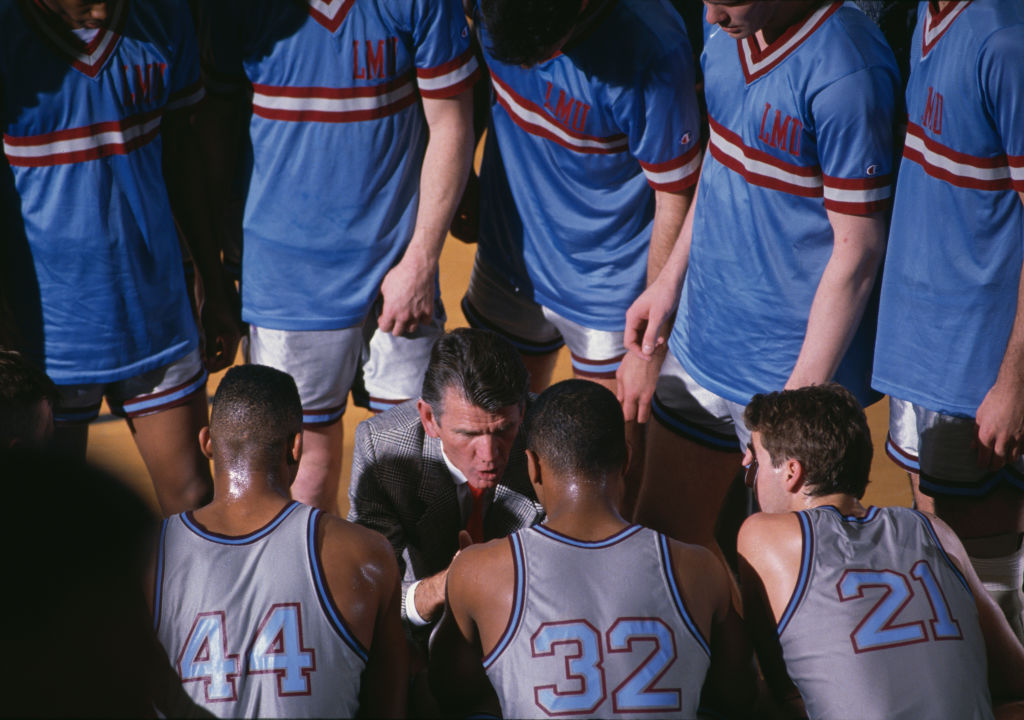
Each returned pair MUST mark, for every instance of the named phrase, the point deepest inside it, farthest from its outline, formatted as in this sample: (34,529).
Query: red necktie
(475,524)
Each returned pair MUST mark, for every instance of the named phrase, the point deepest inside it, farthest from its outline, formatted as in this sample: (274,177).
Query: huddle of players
(581,195)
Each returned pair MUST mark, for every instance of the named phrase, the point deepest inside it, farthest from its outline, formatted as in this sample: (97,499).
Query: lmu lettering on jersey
(932,118)
(783,134)
(372,60)
(143,82)
(568,111)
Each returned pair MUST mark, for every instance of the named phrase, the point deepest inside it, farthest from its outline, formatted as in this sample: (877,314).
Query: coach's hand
(408,292)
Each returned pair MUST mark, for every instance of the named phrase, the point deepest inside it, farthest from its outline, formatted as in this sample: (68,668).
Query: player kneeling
(587,614)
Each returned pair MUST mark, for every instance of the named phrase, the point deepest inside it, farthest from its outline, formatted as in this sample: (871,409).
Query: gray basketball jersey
(597,629)
(881,623)
(249,624)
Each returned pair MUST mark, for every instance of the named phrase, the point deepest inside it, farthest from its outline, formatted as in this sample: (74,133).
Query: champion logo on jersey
(872,170)
(329,13)
(685,139)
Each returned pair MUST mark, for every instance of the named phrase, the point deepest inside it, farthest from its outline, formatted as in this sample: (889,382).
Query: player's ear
(205,442)
(296,449)
(427,417)
(794,475)
(534,471)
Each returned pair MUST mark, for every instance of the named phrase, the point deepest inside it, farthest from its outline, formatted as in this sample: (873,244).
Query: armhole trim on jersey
(806,558)
(942,551)
(323,593)
(516,616)
(670,578)
(158,576)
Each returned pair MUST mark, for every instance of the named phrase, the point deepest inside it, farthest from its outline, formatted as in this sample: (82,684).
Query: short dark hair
(256,412)
(480,365)
(822,426)
(22,387)
(577,427)
(525,32)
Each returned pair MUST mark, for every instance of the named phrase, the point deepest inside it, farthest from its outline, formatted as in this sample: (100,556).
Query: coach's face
(478,442)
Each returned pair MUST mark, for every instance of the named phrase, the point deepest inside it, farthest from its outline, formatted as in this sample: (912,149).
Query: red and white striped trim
(329,13)
(759,168)
(535,120)
(937,23)
(960,169)
(83,143)
(86,58)
(757,62)
(449,79)
(674,175)
(852,196)
(186,97)
(857,196)
(337,105)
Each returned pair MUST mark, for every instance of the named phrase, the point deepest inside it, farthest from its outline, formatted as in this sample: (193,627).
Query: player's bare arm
(649,318)
(1005,653)
(707,590)
(769,548)
(841,296)
(188,194)
(362,576)
(479,603)
(408,289)
(1000,417)
(637,375)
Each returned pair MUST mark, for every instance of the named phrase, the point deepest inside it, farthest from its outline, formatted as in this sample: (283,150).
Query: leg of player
(541,369)
(636,437)
(320,466)
(684,486)
(169,445)
(922,502)
(992,528)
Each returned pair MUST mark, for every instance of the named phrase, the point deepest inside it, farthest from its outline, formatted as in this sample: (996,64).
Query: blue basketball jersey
(956,244)
(93,263)
(575,146)
(338,136)
(800,127)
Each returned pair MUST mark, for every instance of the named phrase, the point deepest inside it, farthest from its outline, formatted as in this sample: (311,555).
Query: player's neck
(846,504)
(786,16)
(587,514)
(243,502)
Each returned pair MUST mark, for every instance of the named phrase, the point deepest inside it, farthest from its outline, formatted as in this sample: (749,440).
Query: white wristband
(410,606)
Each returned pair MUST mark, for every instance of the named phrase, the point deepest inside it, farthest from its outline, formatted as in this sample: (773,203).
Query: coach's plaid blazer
(401,488)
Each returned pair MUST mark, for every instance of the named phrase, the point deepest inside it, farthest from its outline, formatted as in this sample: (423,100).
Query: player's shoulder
(482,567)
(852,42)
(765,534)
(355,547)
